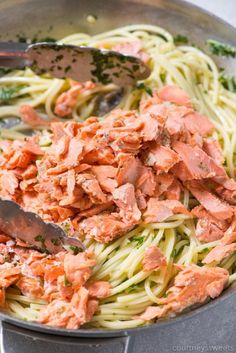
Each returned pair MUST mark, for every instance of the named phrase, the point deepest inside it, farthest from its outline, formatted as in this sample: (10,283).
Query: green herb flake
(200,264)
(204,250)
(67,283)
(42,40)
(180,39)
(221,49)
(174,253)
(47,40)
(132,288)
(163,77)
(147,89)
(73,248)
(68,68)
(8,93)
(228,83)
(103,63)
(39,238)
(59,57)
(55,242)
(139,241)
(66,226)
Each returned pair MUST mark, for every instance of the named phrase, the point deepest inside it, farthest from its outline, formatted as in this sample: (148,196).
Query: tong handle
(12,48)
(13,55)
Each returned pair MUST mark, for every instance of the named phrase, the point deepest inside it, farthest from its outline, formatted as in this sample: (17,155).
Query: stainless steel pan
(198,331)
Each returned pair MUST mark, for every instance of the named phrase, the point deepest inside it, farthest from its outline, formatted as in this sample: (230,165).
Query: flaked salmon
(104,177)
(153,259)
(193,285)
(61,280)
(159,211)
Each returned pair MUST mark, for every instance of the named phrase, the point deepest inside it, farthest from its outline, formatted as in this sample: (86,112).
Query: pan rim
(106,333)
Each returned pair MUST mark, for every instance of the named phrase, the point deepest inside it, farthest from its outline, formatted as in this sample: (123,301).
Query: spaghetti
(119,262)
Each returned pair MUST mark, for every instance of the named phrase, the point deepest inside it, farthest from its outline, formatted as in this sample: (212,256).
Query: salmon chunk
(212,147)
(78,267)
(30,287)
(31,117)
(217,208)
(175,95)
(8,276)
(159,211)
(99,289)
(197,123)
(59,314)
(220,252)
(133,48)
(161,158)
(104,227)
(208,227)
(66,101)
(193,285)
(124,197)
(198,164)
(153,259)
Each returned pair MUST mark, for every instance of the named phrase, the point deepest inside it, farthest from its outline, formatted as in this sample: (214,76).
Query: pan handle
(19,340)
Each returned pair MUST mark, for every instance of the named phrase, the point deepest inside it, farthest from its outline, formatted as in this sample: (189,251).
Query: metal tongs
(79,63)
(30,228)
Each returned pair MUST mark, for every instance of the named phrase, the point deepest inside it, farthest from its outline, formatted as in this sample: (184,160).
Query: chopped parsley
(199,263)
(39,238)
(147,89)
(139,241)
(204,250)
(103,61)
(221,49)
(66,226)
(73,248)
(56,241)
(68,68)
(174,253)
(180,39)
(163,77)
(132,288)
(8,93)
(43,40)
(228,83)
(67,283)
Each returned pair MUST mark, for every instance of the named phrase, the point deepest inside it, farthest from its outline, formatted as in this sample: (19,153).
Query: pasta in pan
(133,290)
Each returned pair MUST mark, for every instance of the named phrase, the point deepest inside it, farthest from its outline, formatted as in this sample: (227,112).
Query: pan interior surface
(58,18)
